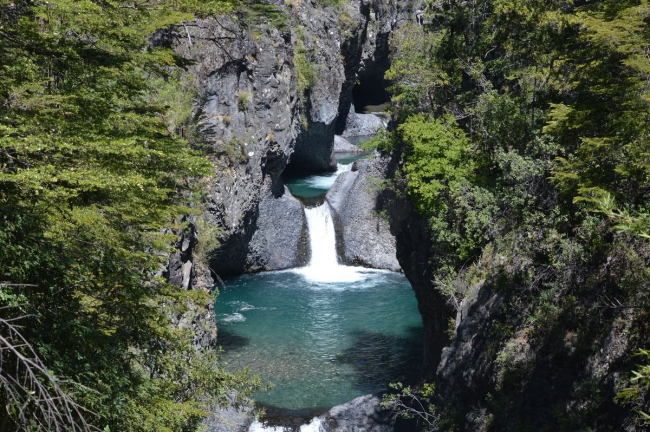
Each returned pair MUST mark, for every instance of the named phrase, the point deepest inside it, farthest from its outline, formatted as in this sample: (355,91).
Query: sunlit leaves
(93,171)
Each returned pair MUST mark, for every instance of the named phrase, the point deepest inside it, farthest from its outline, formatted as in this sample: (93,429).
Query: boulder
(366,238)
(280,238)
(341,145)
(362,124)
(363,414)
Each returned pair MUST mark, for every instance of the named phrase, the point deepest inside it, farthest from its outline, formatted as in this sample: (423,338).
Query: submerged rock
(341,145)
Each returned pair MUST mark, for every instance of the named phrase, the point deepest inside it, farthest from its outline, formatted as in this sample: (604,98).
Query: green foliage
(262,13)
(330,3)
(411,403)
(93,168)
(347,24)
(382,141)
(243,100)
(640,383)
(209,234)
(304,67)
(417,78)
(523,135)
(437,158)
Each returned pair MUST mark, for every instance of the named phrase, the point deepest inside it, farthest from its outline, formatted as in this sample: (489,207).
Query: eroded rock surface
(363,414)
(184,271)
(354,198)
(280,240)
(341,145)
(363,124)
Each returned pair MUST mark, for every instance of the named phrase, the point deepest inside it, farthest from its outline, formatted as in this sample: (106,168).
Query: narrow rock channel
(324,333)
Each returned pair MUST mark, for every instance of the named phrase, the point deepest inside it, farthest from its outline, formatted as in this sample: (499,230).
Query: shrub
(243,100)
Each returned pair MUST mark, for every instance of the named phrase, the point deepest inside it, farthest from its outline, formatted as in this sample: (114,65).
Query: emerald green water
(311,186)
(320,344)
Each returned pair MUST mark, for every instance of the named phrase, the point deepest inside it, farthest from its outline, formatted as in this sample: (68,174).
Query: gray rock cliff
(363,124)
(251,116)
(354,198)
(186,272)
(280,239)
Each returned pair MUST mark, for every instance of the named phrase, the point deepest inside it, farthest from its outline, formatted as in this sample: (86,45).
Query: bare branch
(32,393)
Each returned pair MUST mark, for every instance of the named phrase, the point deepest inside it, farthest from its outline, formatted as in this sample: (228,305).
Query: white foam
(321,181)
(325,181)
(316,425)
(259,427)
(236,317)
(341,168)
(323,266)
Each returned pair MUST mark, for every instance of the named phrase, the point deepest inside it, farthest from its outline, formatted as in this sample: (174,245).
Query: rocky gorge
(278,98)
(258,123)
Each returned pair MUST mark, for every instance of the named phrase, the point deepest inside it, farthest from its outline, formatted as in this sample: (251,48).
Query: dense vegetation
(524,130)
(93,168)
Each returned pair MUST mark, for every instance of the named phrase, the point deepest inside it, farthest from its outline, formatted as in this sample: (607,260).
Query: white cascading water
(325,181)
(323,266)
(316,425)
(322,238)
(343,168)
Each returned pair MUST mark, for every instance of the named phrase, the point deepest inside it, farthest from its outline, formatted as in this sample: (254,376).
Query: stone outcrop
(255,122)
(248,119)
(413,249)
(280,239)
(366,238)
(184,271)
(474,321)
(363,124)
(341,145)
(363,414)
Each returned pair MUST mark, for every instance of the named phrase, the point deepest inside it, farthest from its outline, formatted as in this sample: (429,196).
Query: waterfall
(322,238)
(316,425)
(323,266)
(340,168)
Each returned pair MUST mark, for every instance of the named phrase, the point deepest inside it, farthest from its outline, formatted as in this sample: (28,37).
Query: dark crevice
(371,87)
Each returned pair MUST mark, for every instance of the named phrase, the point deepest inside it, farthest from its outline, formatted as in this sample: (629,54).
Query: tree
(92,172)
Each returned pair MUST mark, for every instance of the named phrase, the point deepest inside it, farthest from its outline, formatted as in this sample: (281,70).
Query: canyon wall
(256,122)
(257,119)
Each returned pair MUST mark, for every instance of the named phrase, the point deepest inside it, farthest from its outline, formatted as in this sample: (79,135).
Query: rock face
(366,238)
(185,272)
(334,40)
(363,414)
(280,239)
(256,121)
(473,324)
(248,119)
(341,145)
(413,246)
(363,124)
